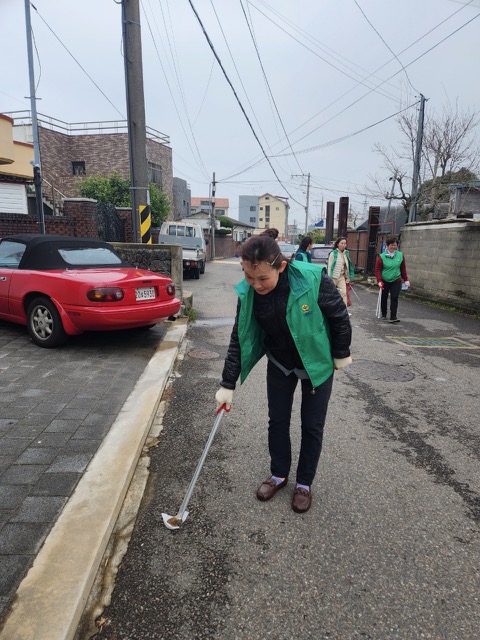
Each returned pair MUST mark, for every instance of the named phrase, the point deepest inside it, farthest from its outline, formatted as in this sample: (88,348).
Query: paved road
(390,548)
(56,406)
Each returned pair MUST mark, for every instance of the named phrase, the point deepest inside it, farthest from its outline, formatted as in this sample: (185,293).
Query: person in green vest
(390,270)
(340,267)
(291,312)
(303,252)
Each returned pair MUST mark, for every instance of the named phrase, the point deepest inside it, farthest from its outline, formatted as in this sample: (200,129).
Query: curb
(50,600)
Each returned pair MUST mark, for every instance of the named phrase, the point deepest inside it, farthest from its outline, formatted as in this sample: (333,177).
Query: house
(70,152)
(16,169)
(181,199)
(204,206)
(264,212)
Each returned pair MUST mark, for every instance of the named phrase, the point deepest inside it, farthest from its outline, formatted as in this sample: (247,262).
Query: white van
(190,236)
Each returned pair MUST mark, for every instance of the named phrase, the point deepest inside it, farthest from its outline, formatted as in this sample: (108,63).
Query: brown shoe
(269,488)
(301,500)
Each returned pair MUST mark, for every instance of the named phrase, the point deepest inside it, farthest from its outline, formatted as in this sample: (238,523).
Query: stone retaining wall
(443,261)
(165,259)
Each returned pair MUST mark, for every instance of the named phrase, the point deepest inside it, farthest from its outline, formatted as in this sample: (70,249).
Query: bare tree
(450,146)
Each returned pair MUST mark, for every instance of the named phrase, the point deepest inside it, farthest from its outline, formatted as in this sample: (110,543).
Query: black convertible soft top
(42,251)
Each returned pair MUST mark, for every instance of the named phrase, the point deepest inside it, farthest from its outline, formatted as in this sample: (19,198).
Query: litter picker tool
(379,304)
(174,522)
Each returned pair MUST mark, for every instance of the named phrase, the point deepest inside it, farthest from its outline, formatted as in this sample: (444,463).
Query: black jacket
(270,313)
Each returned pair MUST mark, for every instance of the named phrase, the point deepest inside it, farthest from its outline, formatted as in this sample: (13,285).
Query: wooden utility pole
(137,134)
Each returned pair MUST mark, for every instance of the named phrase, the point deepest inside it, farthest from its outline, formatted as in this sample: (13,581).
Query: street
(390,547)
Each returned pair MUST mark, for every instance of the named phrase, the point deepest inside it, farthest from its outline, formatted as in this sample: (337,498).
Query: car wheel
(44,324)
(202,268)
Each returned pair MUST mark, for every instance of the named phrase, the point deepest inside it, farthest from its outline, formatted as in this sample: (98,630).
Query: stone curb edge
(49,602)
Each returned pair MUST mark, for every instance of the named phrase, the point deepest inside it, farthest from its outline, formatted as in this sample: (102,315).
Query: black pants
(392,288)
(280,392)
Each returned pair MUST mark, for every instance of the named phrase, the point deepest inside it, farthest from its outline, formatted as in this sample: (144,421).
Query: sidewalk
(72,425)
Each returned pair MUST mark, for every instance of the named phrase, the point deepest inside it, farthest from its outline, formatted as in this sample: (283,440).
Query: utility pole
(412,215)
(137,135)
(302,175)
(37,174)
(306,206)
(212,214)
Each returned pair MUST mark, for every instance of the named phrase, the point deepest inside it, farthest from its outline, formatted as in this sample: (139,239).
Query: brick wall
(103,154)
(79,219)
(443,261)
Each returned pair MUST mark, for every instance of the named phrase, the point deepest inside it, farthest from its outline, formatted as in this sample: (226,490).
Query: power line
(72,56)
(210,44)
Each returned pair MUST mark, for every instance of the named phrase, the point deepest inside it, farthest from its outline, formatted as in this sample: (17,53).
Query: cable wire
(78,63)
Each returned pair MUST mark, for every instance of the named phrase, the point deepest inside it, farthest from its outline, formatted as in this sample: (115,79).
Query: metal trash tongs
(174,522)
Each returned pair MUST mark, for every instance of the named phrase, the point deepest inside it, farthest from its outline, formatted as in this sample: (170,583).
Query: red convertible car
(59,286)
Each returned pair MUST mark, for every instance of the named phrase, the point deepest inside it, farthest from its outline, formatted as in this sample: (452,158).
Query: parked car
(60,286)
(287,249)
(320,253)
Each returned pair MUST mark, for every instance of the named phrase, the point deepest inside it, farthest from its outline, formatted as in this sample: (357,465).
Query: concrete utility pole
(302,175)
(412,215)
(37,174)
(212,214)
(137,134)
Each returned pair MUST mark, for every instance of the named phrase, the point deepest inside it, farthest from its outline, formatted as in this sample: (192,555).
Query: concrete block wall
(443,261)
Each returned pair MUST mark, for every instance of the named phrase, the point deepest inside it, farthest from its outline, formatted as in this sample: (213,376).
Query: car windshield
(85,256)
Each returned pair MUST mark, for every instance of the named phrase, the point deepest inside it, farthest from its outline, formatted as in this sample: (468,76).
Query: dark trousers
(392,288)
(280,392)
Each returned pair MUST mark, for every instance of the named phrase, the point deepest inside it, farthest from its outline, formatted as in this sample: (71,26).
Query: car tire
(44,324)
(202,268)
(196,273)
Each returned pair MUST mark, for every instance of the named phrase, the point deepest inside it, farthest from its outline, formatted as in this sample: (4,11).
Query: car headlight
(105,294)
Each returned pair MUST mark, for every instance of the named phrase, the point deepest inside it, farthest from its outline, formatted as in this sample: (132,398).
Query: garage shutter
(13,198)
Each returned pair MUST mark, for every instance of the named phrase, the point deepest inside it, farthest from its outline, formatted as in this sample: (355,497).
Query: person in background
(303,251)
(390,270)
(272,232)
(340,268)
(292,313)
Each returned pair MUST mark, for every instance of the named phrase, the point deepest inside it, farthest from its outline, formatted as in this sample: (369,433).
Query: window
(261,208)
(205,203)
(10,254)
(154,174)
(277,208)
(254,208)
(267,197)
(260,219)
(89,256)
(253,220)
(219,212)
(78,168)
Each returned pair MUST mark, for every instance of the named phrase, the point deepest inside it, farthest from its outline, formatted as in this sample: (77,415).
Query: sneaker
(394,320)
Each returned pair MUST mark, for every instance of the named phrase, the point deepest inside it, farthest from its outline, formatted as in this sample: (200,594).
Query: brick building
(71,152)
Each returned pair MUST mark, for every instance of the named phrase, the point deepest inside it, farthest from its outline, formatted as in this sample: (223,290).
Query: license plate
(145,293)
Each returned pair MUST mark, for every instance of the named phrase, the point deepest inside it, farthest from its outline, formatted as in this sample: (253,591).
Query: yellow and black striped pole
(145,223)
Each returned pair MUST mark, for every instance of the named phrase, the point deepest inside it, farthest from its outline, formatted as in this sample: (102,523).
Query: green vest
(351,268)
(391,266)
(304,319)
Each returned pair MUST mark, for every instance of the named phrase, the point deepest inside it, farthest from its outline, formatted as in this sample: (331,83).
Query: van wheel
(196,273)
(202,267)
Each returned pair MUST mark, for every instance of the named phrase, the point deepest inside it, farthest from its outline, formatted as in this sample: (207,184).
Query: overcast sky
(328,72)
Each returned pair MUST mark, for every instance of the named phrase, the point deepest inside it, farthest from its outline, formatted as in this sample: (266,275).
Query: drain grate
(433,343)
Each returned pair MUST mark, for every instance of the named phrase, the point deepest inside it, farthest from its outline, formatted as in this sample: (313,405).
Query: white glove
(224,397)
(340,363)
(407,284)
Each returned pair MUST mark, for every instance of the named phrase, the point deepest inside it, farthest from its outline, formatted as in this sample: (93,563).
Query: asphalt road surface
(390,547)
